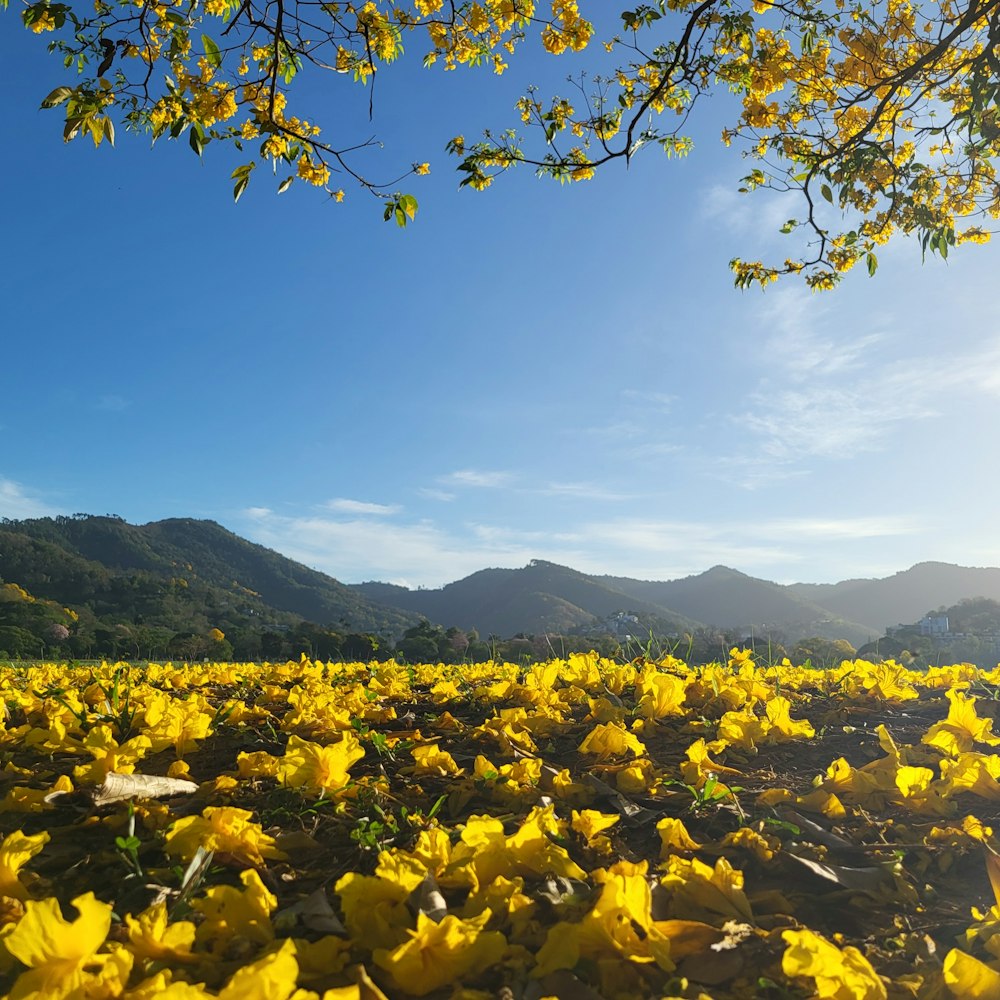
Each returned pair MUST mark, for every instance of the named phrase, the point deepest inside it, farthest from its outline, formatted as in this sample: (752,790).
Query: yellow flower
(962,728)
(230,914)
(269,978)
(61,955)
(171,722)
(44,22)
(660,695)
(838,974)
(374,909)
(970,979)
(316,174)
(611,740)
(320,768)
(441,953)
(430,759)
(152,938)
(15,851)
(225,830)
(591,824)
(674,837)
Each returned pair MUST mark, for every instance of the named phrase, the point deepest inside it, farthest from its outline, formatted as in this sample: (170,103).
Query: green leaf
(872,262)
(57,97)
(196,141)
(109,130)
(212,52)
(285,184)
(826,193)
(409,205)
(241,186)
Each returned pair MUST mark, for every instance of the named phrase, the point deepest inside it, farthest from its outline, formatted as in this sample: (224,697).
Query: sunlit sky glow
(531,372)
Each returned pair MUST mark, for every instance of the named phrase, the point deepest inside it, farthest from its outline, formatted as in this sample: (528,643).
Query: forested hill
(541,597)
(181,575)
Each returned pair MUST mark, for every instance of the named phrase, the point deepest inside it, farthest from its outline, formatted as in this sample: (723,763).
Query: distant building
(935,625)
(621,625)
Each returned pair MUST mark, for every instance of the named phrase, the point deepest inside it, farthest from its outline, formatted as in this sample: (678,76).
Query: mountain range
(545,597)
(184,567)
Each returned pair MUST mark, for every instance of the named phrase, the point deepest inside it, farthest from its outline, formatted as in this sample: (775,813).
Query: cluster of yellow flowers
(578,827)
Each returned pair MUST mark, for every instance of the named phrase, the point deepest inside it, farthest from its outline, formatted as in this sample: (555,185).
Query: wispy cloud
(582,491)
(649,400)
(112,403)
(833,395)
(364,549)
(17,504)
(830,421)
(444,496)
(355,549)
(345,506)
(478,478)
(762,213)
(841,528)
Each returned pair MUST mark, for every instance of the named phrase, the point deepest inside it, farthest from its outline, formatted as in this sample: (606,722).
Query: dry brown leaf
(820,835)
(867,879)
(118,787)
(711,968)
(689,937)
(314,913)
(632,814)
(428,900)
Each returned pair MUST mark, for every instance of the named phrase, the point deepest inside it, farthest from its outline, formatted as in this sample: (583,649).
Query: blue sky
(536,371)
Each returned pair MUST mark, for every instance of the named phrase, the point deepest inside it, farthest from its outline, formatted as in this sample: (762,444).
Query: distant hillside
(726,598)
(541,597)
(546,597)
(904,596)
(96,561)
(172,584)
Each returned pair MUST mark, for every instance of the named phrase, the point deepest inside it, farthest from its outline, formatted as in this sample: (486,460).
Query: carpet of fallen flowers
(578,829)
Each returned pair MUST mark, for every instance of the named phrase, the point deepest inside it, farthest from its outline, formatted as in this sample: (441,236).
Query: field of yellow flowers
(579,829)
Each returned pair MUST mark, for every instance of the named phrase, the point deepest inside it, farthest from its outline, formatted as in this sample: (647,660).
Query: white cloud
(355,549)
(346,506)
(831,421)
(442,495)
(834,528)
(827,393)
(361,549)
(16,504)
(478,478)
(584,491)
(761,213)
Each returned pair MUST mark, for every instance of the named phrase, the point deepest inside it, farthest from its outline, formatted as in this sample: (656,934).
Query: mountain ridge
(198,567)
